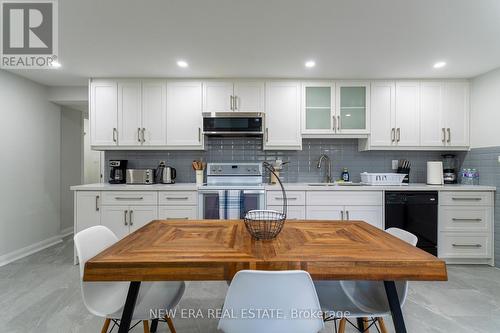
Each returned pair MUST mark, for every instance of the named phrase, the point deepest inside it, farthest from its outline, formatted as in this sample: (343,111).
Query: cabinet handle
(235,103)
(342,215)
(124,198)
(393,134)
(96,203)
(267,134)
(199,134)
(444,135)
(143,135)
(177,218)
(125,217)
(231,102)
(176,198)
(449,135)
(139,134)
(114,134)
(398,134)
(130,217)
(467,245)
(472,220)
(347,213)
(466,199)
(281,198)
(338,123)
(334,122)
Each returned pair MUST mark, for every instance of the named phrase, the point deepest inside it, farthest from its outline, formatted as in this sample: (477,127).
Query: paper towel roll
(435,173)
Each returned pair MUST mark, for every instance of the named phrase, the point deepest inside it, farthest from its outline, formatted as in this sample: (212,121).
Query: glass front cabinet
(335,108)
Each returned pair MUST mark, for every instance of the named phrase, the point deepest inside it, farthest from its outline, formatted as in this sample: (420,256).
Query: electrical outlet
(395,164)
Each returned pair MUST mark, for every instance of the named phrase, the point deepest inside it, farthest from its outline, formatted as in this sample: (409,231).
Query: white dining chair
(365,300)
(107,299)
(288,297)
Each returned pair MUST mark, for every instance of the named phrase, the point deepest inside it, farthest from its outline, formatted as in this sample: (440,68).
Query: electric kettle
(165,174)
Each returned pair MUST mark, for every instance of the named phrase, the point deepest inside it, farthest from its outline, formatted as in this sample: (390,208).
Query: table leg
(397,315)
(154,326)
(128,309)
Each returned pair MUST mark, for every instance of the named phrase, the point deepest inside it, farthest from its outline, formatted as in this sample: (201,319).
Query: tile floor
(40,293)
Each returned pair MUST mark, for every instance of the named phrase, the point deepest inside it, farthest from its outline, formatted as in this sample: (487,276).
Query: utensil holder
(406,171)
(199,177)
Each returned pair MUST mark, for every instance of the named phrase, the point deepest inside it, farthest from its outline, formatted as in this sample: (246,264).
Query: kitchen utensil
(435,173)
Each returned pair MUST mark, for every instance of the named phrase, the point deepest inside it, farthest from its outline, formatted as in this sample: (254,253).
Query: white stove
(232,189)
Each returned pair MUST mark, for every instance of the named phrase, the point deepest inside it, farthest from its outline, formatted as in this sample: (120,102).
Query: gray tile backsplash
(485,160)
(302,166)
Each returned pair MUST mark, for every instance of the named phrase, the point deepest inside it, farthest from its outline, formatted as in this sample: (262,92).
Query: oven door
(228,204)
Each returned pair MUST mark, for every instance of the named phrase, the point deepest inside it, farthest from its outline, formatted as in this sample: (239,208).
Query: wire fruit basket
(267,224)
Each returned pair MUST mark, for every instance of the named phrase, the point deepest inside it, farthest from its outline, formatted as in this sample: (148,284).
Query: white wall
(91,158)
(71,162)
(485,110)
(29,168)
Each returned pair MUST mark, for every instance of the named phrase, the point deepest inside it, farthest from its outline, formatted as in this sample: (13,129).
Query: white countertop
(288,187)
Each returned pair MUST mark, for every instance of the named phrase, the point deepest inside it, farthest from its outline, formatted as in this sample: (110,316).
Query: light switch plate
(395,164)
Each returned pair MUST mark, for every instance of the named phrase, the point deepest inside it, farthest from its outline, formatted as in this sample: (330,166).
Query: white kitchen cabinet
(318,107)
(229,96)
(129,113)
(352,107)
(432,129)
(407,122)
(456,113)
(87,210)
(103,113)
(178,213)
(184,118)
(154,112)
(383,113)
(123,220)
(324,212)
(282,130)
(292,212)
(369,214)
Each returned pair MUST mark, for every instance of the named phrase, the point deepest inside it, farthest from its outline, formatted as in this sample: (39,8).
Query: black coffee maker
(117,171)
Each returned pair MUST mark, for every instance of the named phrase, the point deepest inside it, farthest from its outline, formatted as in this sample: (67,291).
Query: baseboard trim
(67,231)
(28,250)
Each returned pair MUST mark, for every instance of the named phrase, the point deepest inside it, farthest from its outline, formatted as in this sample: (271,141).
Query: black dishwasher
(416,212)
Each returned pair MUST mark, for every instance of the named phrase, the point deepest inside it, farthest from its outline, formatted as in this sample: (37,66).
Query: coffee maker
(117,171)
(449,169)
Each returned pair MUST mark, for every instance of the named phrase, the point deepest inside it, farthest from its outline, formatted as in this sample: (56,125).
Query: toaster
(140,176)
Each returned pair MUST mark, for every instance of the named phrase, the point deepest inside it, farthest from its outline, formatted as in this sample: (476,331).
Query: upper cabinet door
(218,96)
(184,119)
(282,115)
(129,113)
(318,108)
(382,113)
(407,113)
(456,115)
(103,113)
(248,96)
(432,132)
(353,107)
(154,112)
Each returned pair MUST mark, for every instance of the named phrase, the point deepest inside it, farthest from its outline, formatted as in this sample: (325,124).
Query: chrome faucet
(329,170)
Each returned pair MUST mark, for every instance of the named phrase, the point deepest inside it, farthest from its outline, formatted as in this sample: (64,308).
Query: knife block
(406,180)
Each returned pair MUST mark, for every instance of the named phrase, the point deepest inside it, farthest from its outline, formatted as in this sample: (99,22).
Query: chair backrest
(100,298)
(370,296)
(271,301)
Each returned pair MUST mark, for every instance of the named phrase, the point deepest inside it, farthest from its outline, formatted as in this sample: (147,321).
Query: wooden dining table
(208,250)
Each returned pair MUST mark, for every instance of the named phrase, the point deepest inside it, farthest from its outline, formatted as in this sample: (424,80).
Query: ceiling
(273,38)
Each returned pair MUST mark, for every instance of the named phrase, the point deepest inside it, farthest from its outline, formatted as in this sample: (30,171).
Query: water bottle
(345,175)
(475,177)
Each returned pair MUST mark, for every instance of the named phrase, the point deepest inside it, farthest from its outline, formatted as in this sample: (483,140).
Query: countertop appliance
(165,174)
(435,173)
(449,169)
(231,190)
(416,212)
(141,176)
(117,171)
(232,124)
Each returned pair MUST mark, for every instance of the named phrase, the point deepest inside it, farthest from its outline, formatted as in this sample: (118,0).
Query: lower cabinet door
(368,214)
(116,219)
(324,212)
(292,212)
(139,216)
(87,209)
(178,213)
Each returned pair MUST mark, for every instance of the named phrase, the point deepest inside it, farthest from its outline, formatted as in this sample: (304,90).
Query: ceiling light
(56,64)
(182,64)
(310,64)
(439,64)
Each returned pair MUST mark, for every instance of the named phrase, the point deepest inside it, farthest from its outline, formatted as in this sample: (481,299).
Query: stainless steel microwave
(233,124)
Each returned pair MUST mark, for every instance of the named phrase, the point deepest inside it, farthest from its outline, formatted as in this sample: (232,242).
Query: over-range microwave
(232,124)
